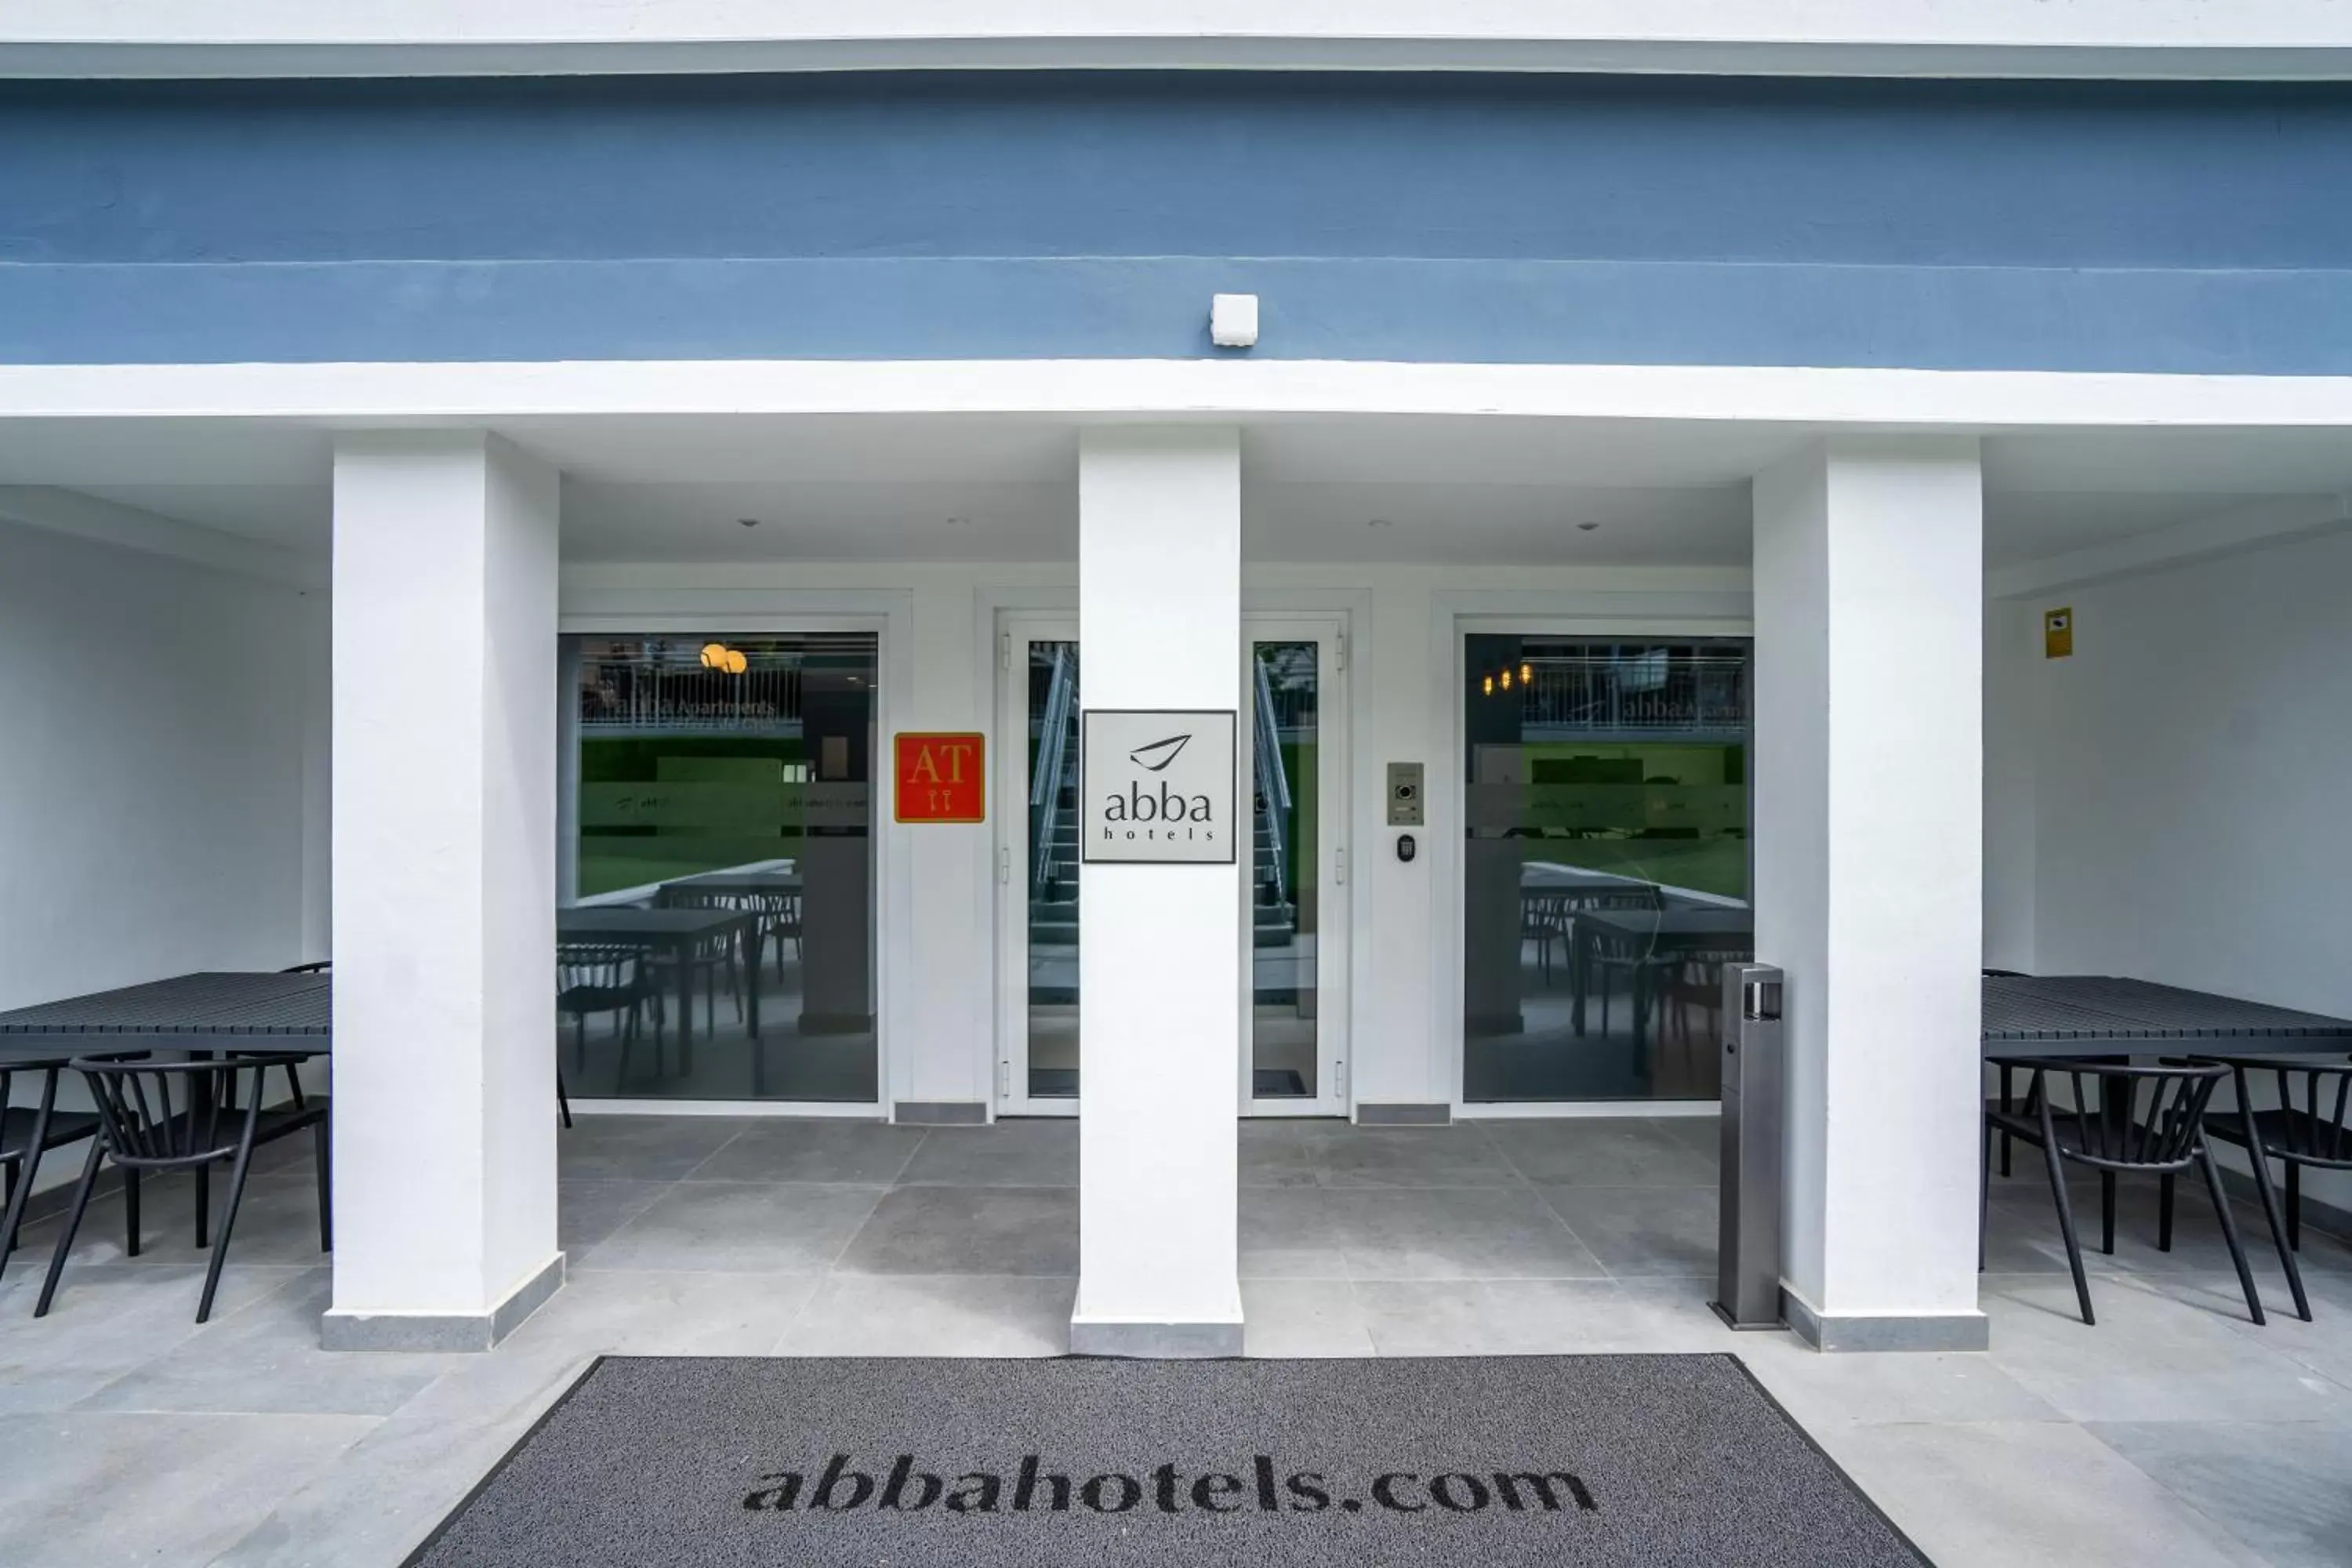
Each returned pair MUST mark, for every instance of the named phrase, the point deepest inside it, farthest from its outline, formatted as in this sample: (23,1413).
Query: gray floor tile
(84,1488)
(2279,1489)
(1286,1233)
(264,1359)
(813,1151)
(969,1230)
(1998,1493)
(1533,1317)
(1639,1231)
(1604,1152)
(1303,1318)
(1457,1156)
(108,1320)
(1466,1233)
(2157,1354)
(1899,1387)
(1277,1152)
(588,1210)
(643,1148)
(935,1314)
(738,1227)
(2323,1346)
(381,1496)
(1039,1151)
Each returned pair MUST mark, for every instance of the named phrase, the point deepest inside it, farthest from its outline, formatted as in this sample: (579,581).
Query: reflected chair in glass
(2306,1128)
(1543,919)
(2118,1119)
(157,1117)
(28,1132)
(593,979)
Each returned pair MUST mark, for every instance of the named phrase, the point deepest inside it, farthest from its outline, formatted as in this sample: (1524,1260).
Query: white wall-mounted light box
(1232,320)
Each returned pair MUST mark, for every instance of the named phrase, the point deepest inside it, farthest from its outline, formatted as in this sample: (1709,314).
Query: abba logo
(1158,787)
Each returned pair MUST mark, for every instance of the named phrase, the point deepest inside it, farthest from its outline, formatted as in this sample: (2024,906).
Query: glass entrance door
(1294,966)
(1605,875)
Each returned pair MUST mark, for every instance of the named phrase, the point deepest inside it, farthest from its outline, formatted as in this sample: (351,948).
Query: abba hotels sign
(1157,786)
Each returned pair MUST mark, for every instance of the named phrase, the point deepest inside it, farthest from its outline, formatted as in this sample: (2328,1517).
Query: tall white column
(444,833)
(1869,783)
(1159,945)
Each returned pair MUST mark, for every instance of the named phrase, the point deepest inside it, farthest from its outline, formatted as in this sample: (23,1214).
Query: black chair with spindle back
(2118,1119)
(2309,1129)
(28,1132)
(157,1116)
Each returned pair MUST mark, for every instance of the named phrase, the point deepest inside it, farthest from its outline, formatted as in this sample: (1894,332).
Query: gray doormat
(1644,1459)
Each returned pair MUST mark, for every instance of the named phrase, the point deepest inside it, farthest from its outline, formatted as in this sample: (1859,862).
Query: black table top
(259,1011)
(1678,923)
(2063,1015)
(628,922)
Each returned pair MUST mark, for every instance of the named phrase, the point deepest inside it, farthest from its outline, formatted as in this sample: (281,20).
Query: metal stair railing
(1272,782)
(1053,759)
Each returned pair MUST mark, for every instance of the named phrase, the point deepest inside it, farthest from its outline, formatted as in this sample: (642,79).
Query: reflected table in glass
(676,932)
(1674,935)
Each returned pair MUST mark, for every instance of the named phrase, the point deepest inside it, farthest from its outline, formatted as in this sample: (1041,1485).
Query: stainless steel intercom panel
(1404,795)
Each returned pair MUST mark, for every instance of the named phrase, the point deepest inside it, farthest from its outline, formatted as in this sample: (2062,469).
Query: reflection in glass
(1053,869)
(1284,892)
(1606,866)
(716,937)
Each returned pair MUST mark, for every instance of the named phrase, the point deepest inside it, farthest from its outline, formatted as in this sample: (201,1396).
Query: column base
(1840,1332)
(441,1331)
(1403,1113)
(1156,1342)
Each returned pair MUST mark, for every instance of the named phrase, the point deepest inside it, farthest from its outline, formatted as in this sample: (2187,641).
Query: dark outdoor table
(1678,928)
(212,1012)
(739,882)
(197,1014)
(625,925)
(2107,1016)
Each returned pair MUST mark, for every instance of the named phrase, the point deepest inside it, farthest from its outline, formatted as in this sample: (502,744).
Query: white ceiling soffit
(2146,39)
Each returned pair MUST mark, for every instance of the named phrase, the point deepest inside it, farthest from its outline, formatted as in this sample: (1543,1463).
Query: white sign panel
(1157,786)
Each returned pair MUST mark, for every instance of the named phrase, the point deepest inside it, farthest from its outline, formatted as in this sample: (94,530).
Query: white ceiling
(1459,490)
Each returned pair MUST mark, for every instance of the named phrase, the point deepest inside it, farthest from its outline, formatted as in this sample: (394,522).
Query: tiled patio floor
(2174,1432)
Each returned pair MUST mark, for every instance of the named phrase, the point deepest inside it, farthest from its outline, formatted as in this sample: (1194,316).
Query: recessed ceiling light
(749,522)
(958,521)
(1586,527)
(1380,523)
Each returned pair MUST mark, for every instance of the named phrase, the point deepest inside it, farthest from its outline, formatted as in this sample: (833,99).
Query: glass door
(1294,968)
(1295,1030)
(1606,869)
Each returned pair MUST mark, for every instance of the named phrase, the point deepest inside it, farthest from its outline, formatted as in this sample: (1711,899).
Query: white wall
(151,755)
(153,735)
(2186,773)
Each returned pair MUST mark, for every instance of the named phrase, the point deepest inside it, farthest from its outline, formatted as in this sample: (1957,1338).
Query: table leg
(753,939)
(684,951)
(1579,943)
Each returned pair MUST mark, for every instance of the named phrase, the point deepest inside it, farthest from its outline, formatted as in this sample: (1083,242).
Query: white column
(1869,869)
(444,813)
(1161,945)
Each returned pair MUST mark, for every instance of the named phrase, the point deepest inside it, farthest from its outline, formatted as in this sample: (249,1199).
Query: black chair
(593,978)
(2118,1119)
(187,1116)
(25,1134)
(2313,1133)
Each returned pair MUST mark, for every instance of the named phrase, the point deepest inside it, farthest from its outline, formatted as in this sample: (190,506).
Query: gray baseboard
(1403,1114)
(1834,1332)
(1156,1342)
(939,1113)
(441,1331)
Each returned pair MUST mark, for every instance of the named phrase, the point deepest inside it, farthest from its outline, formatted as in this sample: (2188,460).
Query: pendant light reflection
(719,656)
(1490,685)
